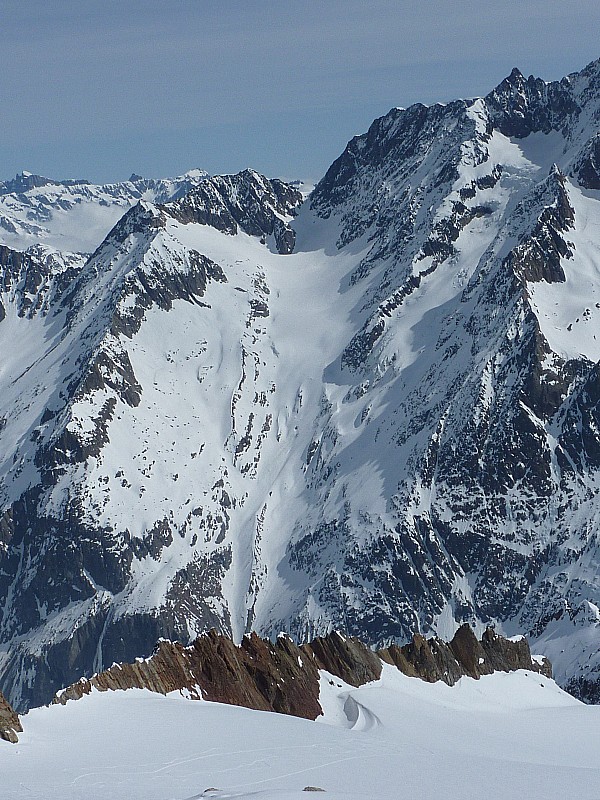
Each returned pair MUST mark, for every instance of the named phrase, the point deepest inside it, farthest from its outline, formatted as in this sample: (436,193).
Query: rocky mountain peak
(141,218)
(248,201)
(520,106)
(25,181)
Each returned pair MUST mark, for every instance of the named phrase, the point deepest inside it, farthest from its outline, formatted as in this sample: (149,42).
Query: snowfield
(504,736)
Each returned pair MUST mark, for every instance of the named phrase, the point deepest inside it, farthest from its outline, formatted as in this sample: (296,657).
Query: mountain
(75,215)
(374,410)
(25,181)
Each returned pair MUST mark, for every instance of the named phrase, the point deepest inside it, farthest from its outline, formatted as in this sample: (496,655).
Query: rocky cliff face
(284,677)
(376,410)
(10,725)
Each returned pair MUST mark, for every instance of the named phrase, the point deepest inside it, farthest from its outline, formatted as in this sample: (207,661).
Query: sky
(99,89)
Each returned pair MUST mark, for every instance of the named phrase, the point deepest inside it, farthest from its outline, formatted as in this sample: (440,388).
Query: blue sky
(103,89)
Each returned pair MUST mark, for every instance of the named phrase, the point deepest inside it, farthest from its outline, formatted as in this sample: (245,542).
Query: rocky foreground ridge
(10,725)
(282,676)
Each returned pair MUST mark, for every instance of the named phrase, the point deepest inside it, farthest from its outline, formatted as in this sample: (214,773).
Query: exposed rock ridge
(283,676)
(10,725)
(258,674)
(248,201)
(435,660)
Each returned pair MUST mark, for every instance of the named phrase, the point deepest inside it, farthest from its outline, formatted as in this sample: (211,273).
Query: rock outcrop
(435,660)
(258,674)
(345,657)
(10,724)
(284,677)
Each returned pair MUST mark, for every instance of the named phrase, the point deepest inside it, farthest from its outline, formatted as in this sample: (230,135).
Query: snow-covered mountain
(75,215)
(376,410)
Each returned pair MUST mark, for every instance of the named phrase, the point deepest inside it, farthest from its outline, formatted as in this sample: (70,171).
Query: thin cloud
(179,74)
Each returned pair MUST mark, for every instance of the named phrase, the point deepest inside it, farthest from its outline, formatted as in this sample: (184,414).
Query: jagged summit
(376,409)
(517,107)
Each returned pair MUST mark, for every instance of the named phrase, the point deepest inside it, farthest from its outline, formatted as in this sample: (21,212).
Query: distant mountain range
(75,215)
(376,410)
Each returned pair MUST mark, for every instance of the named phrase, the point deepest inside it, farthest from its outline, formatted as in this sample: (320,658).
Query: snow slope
(506,735)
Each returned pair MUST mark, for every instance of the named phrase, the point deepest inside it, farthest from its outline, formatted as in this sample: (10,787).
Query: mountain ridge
(283,677)
(378,406)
